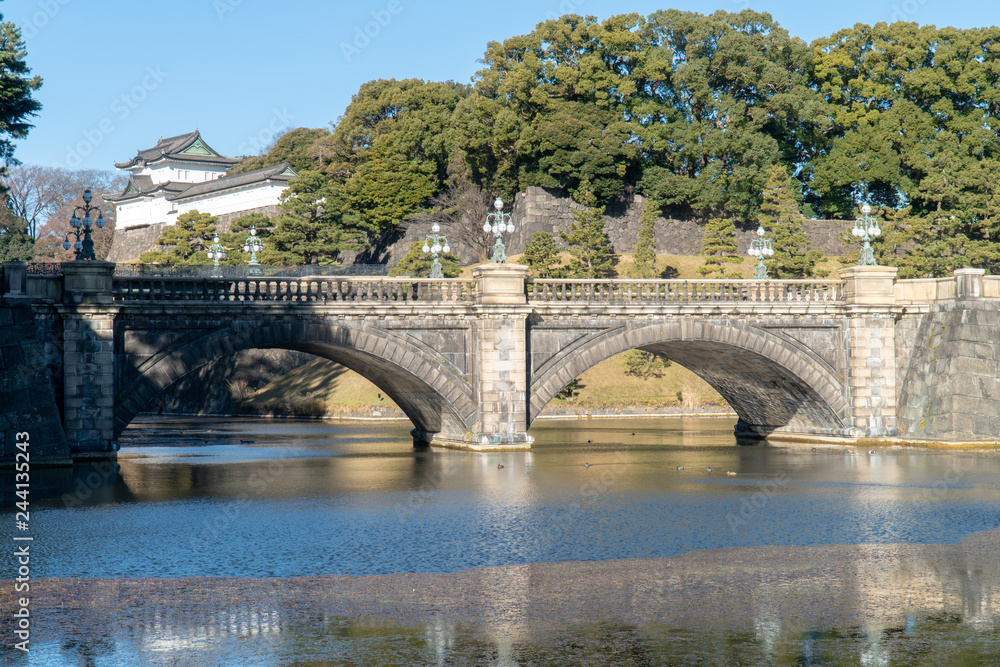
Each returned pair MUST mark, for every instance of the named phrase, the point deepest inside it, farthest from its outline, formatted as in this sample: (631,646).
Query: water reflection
(592,546)
(765,606)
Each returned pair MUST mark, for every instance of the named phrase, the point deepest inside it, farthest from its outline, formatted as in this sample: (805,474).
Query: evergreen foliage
(239,230)
(541,256)
(16,89)
(16,243)
(187,241)
(388,188)
(644,365)
(719,248)
(644,260)
(297,148)
(417,263)
(781,219)
(593,256)
(314,226)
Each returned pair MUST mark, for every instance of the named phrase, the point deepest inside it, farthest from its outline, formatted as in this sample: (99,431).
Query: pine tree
(541,256)
(188,240)
(644,260)
(239,230)
(644,365)
(16,243)
(417,263)
(592,254)
(719,248)
(781,219)
(315,225)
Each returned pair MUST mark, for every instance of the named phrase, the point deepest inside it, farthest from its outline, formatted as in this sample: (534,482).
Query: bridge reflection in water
(787,605)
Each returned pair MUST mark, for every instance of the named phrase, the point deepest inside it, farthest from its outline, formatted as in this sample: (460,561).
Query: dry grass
(323,387)
(325,382)
(606,385)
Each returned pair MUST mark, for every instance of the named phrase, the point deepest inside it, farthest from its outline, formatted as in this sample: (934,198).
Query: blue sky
(119,74)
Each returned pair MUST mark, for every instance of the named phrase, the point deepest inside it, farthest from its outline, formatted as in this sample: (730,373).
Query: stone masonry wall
(27,396)
(541,210)
(951,389)
(129,243)
(534,210)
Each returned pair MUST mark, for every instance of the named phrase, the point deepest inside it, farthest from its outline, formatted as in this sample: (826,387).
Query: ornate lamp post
(435,244)
(85,248)
(216,252)
(760,248)
(253,246)
(866,228)
(498,222)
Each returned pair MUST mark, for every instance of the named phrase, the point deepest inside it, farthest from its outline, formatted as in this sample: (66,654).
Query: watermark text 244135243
(22,540)
(363,35)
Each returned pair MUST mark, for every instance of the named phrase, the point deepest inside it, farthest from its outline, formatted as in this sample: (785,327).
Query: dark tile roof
(171,148)
(139,186)
(279,172)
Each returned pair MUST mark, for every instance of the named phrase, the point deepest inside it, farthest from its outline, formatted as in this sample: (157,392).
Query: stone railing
(673,291)
(317,290)
(918,290)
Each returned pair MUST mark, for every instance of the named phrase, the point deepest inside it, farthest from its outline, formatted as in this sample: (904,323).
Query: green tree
(541,256)
(314,226)
(387,117)
(417,263)
(593,256)
(780,217)
(16,88)
(644,260)
(644,365)
(719,248)
(239,230)
(187,242)
(389,188)
(16,243)
(298,148)
(723,98)
(915,114)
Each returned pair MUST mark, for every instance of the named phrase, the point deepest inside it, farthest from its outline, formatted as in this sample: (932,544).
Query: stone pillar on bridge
(88,358)
(868,294)
(501,358)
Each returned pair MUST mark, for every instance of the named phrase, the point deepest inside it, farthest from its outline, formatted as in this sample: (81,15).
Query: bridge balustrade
(318,290)
(673,291)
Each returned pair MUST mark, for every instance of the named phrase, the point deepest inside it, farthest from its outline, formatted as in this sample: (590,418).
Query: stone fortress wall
(534,210)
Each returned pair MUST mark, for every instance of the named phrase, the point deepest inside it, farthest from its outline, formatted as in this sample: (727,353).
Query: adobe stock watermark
(565,7)
(211,528)
(752,504)
(601,480)
(223,7)
(906,10)
(47,10)
(256,143)
(121,108)
(363,35)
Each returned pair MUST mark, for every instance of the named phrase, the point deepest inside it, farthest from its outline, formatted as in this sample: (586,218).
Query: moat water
(195,498)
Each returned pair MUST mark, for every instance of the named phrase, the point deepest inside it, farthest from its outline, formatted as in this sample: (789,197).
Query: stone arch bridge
(472,362)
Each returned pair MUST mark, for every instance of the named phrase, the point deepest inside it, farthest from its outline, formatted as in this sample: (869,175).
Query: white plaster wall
(232,202)
(143,212)
(158,209)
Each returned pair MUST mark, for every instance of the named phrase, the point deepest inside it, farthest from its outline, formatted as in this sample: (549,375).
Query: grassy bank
(323,388)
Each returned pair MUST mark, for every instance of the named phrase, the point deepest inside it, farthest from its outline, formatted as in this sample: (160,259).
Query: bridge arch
(434,394)
(770,383)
